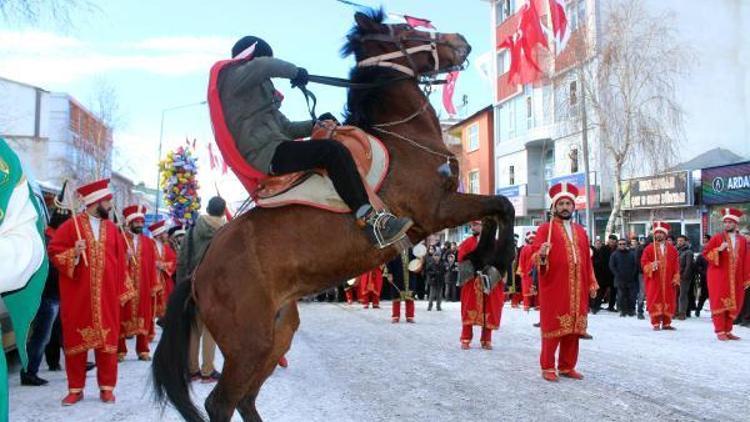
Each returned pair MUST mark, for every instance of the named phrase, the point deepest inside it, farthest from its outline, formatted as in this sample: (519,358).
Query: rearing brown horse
(260,264)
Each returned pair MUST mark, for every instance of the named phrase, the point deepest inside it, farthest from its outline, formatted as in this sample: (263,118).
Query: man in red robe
(137,316)
(397,272)
(660,262)
(566,277)
(166,265)
(524,270)
(370,285)
(349,289)
(728,274)
(90,255)
(477,307)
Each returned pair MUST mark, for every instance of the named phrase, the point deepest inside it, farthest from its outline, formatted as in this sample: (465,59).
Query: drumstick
(124,235)
(68,206)
(78,235)
(549,233)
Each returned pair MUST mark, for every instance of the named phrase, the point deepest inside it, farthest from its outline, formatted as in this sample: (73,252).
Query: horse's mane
(353,44)
(362,103)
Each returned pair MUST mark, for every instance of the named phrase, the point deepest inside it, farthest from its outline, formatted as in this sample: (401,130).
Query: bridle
(385,60)
(428,44)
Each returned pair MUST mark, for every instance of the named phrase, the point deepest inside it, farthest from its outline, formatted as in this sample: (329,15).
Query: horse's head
(401,47)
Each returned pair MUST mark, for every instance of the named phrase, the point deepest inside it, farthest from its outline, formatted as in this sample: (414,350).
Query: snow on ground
(351,364)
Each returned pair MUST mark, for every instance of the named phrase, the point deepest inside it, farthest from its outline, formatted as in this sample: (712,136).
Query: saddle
(314,188)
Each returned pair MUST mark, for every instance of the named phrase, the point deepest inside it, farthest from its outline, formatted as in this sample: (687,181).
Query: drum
(415,265)
(420,250)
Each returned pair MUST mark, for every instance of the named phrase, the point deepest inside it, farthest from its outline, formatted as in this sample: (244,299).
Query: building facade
(476,134)
(56,138)
(538,134)
(538,128)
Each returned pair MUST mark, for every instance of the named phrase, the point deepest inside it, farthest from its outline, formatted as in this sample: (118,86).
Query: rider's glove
(301,78)
(328,116)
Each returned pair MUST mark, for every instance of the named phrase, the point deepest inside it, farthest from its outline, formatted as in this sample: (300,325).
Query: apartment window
(512,119)
(504,10)
(573,155)
(474,181)
(472,135)
(581,12)
(511,175)
(529,113)
(573,89)
(549,161)
(576,13)
(503,62)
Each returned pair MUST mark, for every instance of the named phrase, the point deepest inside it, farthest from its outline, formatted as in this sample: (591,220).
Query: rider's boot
(383,228)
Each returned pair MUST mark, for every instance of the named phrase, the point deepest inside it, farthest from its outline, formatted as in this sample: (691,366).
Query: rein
(410,73)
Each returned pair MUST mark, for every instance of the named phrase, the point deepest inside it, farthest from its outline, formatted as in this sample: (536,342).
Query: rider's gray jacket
(251,109)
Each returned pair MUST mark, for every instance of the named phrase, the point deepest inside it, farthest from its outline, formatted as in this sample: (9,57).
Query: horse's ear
(365,22)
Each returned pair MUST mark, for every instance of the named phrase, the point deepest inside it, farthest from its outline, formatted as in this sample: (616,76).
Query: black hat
(176,231)
(262,49)
(216,206)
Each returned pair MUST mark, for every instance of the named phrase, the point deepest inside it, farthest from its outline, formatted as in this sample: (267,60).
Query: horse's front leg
(459,208)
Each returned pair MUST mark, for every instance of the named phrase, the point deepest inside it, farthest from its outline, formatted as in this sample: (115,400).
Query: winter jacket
(433,271)
(602,272)
(686,263)
(195,244)
(251,109)
(624,267)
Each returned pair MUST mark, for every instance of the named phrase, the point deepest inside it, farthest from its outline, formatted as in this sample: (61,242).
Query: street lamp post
(161,139)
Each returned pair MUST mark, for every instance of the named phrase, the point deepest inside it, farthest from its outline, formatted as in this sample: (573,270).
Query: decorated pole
(180,185)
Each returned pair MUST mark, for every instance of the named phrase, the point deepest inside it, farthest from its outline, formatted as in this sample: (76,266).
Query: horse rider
(265,137)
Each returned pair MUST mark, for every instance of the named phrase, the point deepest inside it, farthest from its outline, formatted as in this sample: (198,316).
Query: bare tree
(627,77)
(105,105)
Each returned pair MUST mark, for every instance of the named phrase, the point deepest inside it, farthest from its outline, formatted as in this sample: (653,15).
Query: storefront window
(693,232)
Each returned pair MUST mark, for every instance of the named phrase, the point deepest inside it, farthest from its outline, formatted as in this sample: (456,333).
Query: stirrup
(377,221)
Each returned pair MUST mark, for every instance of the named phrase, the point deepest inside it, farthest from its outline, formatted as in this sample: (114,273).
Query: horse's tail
(170,372)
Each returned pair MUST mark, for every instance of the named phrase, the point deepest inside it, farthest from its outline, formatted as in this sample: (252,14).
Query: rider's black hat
(262,49)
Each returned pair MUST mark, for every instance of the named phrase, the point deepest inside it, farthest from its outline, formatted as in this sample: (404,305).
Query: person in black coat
(451,276)
(686,302)
(623,265)
(434,273)
(600,258)
(701,268)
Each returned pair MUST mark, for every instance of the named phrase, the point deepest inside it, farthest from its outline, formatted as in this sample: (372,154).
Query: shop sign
(666,190)
(726,184)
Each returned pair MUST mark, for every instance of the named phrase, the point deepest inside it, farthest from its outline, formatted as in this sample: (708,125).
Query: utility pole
(585,147)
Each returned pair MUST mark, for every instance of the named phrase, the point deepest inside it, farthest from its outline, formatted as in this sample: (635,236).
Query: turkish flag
(523,68)
(450,86)
(523,65)
(560,28)
(531,29)
(417,22)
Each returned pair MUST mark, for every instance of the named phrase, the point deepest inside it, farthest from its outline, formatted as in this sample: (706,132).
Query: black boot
(32,379)
(384,228)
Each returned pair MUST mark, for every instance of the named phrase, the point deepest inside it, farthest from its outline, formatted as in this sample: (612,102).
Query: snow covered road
(351,364)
